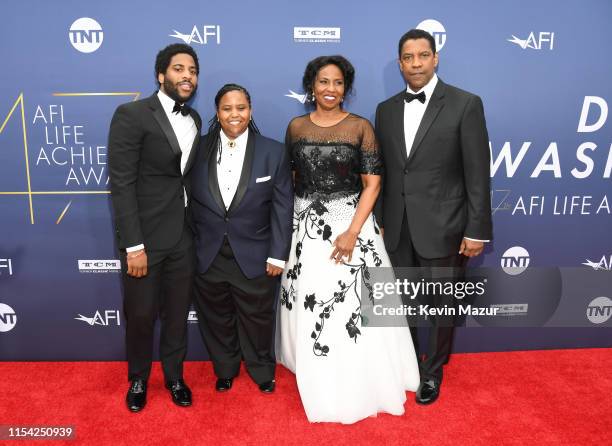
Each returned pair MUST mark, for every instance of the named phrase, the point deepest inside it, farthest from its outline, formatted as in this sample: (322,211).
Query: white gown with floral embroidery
(345,371)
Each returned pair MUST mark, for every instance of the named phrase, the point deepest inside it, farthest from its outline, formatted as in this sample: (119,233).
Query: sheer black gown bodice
(328,161)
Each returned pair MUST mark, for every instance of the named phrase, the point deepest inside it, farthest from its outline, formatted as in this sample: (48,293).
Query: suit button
(226,219)
(406,171)
(403,194)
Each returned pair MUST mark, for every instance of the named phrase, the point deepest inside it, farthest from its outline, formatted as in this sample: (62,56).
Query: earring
(312,97)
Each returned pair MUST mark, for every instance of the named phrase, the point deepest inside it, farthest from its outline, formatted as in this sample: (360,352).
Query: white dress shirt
(413,114)
(229,170)
(185,129)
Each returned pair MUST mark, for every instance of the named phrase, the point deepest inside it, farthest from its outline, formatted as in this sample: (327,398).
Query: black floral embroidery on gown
(328,163)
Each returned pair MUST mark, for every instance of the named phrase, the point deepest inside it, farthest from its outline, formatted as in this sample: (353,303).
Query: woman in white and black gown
(345,371)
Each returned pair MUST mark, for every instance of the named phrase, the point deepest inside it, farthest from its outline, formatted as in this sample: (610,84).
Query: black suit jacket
(258,223)
(443,187)
(146,182)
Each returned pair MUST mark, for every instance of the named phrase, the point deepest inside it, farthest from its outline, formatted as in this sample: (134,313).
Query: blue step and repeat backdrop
(542,69)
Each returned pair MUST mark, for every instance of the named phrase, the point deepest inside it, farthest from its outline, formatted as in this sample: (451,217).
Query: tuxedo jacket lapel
(245,175)
(433,108)
(397,116)
(213,180)
(196,141)
(160,116)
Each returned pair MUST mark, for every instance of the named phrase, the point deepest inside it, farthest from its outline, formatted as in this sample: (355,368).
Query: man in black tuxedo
(152,145)
(242,211)
(435,206)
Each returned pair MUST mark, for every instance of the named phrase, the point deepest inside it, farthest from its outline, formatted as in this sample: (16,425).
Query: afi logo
(109,317)
(208,31)
(8,318)
(599,310)
(604,264)
(7,265)
(515,260)
(298,97)
(541,41)
(86,35)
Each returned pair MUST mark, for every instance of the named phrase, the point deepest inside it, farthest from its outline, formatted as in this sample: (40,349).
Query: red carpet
(557,397)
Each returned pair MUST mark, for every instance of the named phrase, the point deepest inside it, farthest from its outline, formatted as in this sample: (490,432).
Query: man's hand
(470,248)
(137,263)
(273,270)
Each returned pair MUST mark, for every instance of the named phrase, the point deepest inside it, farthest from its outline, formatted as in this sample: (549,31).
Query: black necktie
(182,109)
(409,97)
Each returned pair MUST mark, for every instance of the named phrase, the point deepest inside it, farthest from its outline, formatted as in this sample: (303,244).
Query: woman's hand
(344,245)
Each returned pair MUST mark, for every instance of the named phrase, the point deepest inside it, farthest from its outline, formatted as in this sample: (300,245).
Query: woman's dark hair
(162,61)
(213,138)
(313,67)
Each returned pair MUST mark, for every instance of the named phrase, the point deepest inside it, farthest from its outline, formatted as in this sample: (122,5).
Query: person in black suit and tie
(242,211)
(151,148)
(435,206)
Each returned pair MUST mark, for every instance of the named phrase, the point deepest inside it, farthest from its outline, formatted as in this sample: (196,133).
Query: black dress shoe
(136,397)
(268,386)
(428,391)
(224,384)
(181,394)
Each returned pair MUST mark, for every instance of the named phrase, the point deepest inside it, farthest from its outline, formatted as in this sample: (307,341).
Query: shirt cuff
(134,248)
(476,240)
(276,262)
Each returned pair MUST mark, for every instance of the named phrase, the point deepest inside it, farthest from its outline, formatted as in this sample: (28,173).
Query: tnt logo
(436,29)
(599,310)
(541,41)
(6,267)
(106,318)
(8,318)
(515,260)
(208,31)
(86,35)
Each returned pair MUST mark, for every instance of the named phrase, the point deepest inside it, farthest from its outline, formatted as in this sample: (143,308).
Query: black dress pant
(164,293)
(440,327)
(236,318)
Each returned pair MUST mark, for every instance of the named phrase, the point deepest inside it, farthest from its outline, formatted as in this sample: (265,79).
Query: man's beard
(171,90)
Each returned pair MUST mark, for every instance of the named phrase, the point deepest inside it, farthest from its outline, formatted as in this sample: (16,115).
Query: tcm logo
(541,41)
(99,266)
(106,318)
(599,310)
(436,29)
(86,35)
(511,309)
(8,318)
(210,33)
(604,264)
(316,34)
(515,260)
(192,317)
(298,97)
(6,267)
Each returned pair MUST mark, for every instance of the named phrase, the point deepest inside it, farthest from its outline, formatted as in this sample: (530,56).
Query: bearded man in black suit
(151,148)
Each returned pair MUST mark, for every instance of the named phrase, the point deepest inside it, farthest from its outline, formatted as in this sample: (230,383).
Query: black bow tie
(183,109)
(409,97)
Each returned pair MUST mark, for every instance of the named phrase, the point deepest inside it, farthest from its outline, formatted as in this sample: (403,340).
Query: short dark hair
(162,61)
(231,87)
(313,67)
(414,34)
(213,138)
